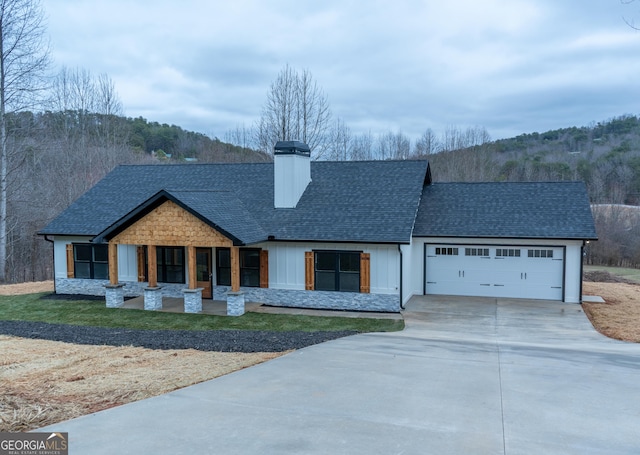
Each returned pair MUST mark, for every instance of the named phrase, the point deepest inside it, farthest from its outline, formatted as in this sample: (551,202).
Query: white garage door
(495,271)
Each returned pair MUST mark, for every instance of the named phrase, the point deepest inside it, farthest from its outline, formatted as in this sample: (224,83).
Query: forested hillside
(57,156)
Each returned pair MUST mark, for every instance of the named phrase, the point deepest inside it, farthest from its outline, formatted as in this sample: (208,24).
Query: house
(337,235)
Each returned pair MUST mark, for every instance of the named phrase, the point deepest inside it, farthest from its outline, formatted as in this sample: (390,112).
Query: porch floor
(219,308)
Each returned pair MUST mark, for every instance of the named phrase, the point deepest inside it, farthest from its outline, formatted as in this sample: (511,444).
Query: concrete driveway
(467,376)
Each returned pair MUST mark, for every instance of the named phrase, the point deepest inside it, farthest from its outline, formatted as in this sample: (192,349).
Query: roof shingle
(553,210)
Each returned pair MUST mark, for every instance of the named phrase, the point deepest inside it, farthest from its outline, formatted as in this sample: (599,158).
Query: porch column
(114,292)
(193,295)
(191,261)
(152,294)
(113,263)
(235,269)
(152,264)
(235,298)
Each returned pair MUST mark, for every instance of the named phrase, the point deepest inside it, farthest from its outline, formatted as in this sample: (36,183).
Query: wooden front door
(203,272)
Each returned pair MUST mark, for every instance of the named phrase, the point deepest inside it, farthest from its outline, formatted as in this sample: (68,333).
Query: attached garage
(495,271)
(512,240)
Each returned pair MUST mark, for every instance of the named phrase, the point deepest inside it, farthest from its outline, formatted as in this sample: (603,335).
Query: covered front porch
(174,246)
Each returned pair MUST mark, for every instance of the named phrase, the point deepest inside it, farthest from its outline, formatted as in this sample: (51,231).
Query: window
(223,266)
(507,252)
(540,253)
(249,267)
(446,251)
(337,271)
(171,266)
(476,251)
(91,261)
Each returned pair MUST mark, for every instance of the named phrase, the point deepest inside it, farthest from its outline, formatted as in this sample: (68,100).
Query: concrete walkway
(467,376)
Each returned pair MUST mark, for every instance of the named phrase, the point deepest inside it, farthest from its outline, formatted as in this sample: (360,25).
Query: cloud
(513,67)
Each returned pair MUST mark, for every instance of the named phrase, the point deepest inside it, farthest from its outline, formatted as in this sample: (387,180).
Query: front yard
(44,382)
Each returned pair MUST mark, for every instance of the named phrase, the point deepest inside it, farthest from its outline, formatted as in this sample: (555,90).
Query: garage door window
(541,253)
(507,253)
(476,251)
(446,251)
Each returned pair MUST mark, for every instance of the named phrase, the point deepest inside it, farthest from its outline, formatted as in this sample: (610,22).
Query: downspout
(54,262)
(401,296)
(581,269)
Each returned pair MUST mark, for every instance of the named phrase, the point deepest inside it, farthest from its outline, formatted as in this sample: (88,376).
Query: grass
(31,307)
(629,274)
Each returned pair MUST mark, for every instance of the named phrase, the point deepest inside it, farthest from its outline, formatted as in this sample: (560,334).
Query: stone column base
(114,295)
(193,300)
(152,299)
(235,303)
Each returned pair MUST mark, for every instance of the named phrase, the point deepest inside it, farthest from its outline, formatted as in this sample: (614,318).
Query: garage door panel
(520,272)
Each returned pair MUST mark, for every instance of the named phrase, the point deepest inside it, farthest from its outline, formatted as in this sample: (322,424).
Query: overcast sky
(511,66)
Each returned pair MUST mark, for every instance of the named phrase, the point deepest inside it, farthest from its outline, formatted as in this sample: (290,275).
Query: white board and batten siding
(287,267)
(534,269)
(127,258)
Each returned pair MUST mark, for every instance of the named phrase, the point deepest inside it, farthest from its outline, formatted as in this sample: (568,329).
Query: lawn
(32,307)
(44,382)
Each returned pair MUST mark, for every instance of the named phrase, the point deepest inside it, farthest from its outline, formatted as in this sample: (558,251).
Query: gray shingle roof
(557,210)
(345,201)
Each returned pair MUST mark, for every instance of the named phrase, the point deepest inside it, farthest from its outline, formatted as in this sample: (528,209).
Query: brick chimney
(292,172)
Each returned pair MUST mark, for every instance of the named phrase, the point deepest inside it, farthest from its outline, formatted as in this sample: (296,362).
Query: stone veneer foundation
(352,301)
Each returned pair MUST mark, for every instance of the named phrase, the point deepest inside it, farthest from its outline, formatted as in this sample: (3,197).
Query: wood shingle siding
(171,225)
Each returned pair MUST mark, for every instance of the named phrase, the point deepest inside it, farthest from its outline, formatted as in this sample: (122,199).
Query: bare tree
(454,138)
(296,109)
(393,146)
(427,144)
(24,58)
(362,147)
(339,145)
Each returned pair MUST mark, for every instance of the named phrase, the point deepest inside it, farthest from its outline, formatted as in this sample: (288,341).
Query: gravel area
(215,340)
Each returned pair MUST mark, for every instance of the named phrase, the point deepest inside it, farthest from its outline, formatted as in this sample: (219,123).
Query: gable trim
(147,207)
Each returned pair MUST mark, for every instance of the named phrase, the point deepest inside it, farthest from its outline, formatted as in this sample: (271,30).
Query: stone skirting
(352,301)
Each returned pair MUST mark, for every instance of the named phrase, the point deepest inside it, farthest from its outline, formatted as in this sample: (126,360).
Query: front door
(203,271)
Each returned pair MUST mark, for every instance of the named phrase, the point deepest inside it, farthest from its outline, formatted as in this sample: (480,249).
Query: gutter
(401,296)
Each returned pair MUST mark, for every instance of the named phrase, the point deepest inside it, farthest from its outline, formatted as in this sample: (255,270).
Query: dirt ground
(619,316)
(44,382)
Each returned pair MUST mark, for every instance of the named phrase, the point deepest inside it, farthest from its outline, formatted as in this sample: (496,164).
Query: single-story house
(338,235)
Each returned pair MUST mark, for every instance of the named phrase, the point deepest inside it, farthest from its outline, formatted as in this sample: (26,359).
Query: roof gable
(170,225)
